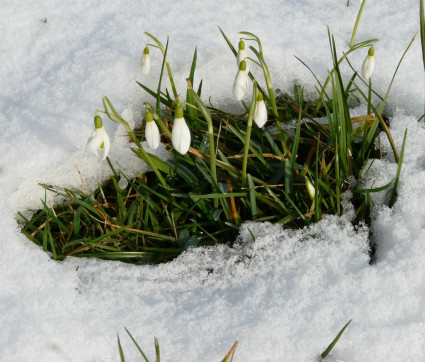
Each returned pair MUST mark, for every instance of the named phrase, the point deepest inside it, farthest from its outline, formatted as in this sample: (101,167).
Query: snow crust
(284,296)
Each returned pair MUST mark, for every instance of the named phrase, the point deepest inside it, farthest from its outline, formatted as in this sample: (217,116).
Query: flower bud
(180,134)
(99,143)
(242,55)
(152,132)
(368,64)
(146,61)
(260,114)
(310,188)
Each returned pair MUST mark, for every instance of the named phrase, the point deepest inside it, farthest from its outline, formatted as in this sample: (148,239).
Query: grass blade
(422,24)
(231,352)
(252,198)
(190,110)
(397,177)
(158,98)
(134,341)
(157,359)
(381,108)
(120,349)
(334,342)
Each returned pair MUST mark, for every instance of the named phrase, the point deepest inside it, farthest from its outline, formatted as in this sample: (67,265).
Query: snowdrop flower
(151,131)
(99,142)
(310,188)
(240,86)
(368,64)
(242,55)
(146,61)
(260,114)
(180,134)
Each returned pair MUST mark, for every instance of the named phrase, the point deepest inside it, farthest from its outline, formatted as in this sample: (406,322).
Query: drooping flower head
(146,61)
(310,188)
(152,132)
(180,134)
(368,64)
(260,114)
(240,86)
(99,143)
(242,55)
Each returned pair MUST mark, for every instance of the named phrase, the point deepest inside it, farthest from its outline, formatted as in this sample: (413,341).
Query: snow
(284,296)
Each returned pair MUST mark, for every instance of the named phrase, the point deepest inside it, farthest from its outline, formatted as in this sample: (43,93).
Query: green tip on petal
(259,96)
(241,45)
(371,52)
(97,122)
(242,65)
(179,112)
(146,50)
(148,117)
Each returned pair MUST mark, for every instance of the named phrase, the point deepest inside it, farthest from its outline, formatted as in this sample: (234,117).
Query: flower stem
(170,75)
(113,115)
(248,132)
(206,114)
(369,98)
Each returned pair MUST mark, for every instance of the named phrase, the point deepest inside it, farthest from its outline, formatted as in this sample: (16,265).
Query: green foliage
(334,342)
(422,28)
(233,172)
(228,357)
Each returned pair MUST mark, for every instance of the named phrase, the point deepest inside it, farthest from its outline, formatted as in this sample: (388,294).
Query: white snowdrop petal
(368,67)
(240,86)
(146,64)
(181,136)
(260,115)
(99,143)
(152,135)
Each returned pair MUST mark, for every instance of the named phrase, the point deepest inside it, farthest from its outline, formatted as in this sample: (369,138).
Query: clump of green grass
(227,358)
(291,172)
(230,354)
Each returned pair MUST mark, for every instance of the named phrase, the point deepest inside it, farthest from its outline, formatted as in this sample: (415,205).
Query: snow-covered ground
(284,297)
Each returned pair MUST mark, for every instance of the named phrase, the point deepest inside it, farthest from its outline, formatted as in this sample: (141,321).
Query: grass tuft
(291,172)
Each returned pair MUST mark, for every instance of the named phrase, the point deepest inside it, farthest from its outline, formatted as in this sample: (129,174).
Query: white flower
(240,86)
(152,132)
(368,64)
(146,61)
(180,134)
(99,142)
(310,188)
(260,114)
(242,55)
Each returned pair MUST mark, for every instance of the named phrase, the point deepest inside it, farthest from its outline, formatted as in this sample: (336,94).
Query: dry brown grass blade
(231,353)
(265,155)
(233,204)
(359,119)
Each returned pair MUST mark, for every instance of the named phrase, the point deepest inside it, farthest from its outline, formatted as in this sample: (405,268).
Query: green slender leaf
(376,189)
(120,349)
(134,341)
(157,353)
(397,177)
(158,92)
(381,108)
(335,341)
(164,101)
(190,110)
(252,197)
(53,216)
(76,222)
(422,28)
